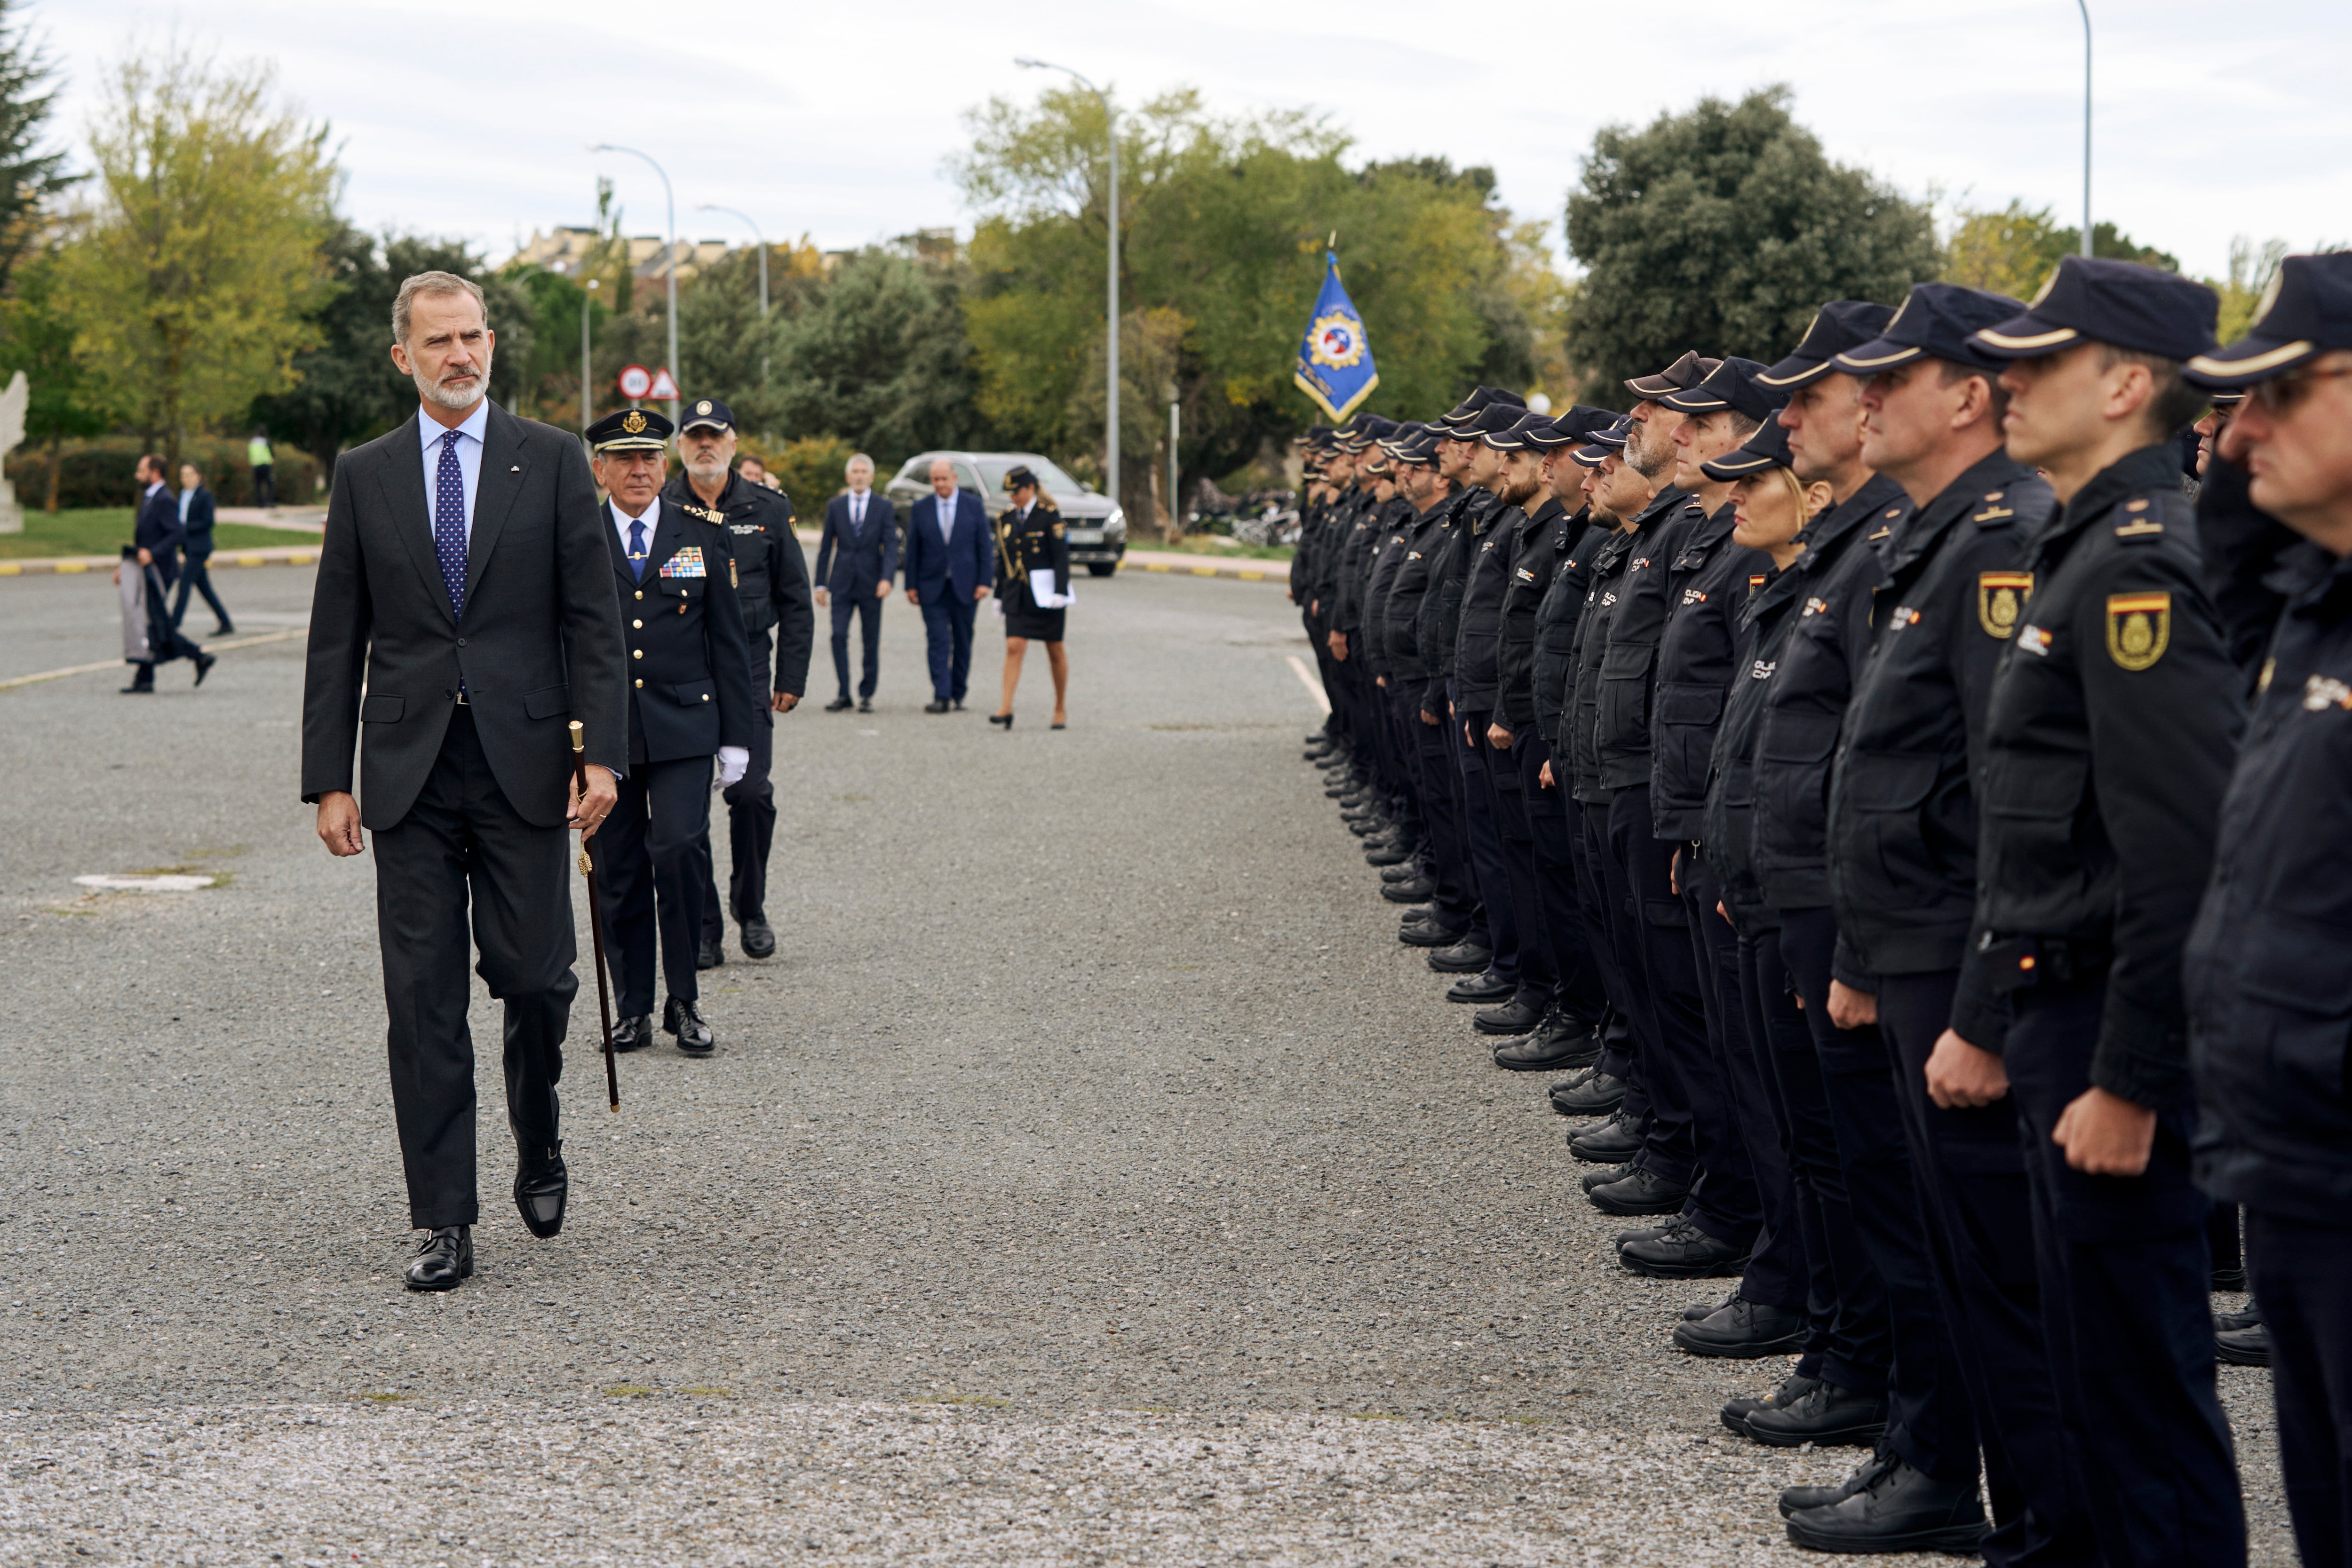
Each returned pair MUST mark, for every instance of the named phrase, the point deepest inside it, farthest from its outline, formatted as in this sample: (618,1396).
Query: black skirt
(1024,619)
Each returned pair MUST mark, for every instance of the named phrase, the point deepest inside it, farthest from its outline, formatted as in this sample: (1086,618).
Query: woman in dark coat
(1030,538)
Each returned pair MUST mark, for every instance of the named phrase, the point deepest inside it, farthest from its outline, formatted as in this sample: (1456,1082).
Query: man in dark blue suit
(157,542)
(856,560)
(196,521)
(951,567)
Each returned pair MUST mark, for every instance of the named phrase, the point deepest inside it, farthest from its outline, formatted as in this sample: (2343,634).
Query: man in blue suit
(951,567)
(856,560)
(158,537)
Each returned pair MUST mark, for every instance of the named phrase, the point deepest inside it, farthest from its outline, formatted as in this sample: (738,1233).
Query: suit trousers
(1653,1103)
(1746,1189)
(947,639)
(649,869)
(462,848)
(1581,994)
(2301,1274)
(1970,1175)
(1678,1072)
(1447,845)
(196,575)
(751,823)
(867,607)
(1538,964)
(2125,1277)
(1485,840)
(1588,827)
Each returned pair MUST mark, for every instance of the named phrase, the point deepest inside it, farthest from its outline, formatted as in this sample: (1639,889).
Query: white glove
(733,762)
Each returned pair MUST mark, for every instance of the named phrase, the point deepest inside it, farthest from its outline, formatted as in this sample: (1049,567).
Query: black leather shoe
(1589,1093)
(444,1259)
(1600,1177)
(1516,1016)
(1555,1046)
(1331,759)
(1698,1310)
(759,941)
(1387,855)
(1468,957)
(2241,1339)
(1638,1192)
(1682,1251)
(1827,1416)
(1409,890)
(1898,1509)
(1399,872)
(1482,989)
(634,1033)
(137,689)
(840,704)
(1796,1500)
(939,706)
(542,1186)
(1793,1387)
(1004,718)
(709,953)
(684,1019)
(1443,939)
(1340,789)
(1366,826)
(1739,1330)
(223,630)
(1612,1142)
(205,662)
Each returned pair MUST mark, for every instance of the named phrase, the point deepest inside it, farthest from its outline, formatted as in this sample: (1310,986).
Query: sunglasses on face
(2284,395)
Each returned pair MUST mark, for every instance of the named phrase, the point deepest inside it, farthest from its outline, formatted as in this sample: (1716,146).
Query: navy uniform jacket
(1438,626)
(1346,608)
(2269,994)
(1728,814)
(1029,544)
(772,574)
(1397,526)
(1541,540)
(1629,662)
(158,532)
(1478,634)
(199,525)
(1581,723)
(1805,703)
(1712,580)
(857,560)
(1552,637)
(691,686)
(1406,591)
(1902,810)
(2114,720)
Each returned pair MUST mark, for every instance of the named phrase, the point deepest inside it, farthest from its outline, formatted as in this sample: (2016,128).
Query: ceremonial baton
(595,916)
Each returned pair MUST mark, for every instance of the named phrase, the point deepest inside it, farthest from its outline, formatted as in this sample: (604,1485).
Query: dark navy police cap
(2306,313)
(1767,448)
(1017,477)
(1516,435)
(1733,385)
(2119,303)
(1603,443)
(1840,325)
(708,412)
(629,430)
(1935,321)
(1686,371)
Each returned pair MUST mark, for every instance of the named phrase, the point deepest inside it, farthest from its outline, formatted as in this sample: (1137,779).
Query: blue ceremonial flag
(1335,359)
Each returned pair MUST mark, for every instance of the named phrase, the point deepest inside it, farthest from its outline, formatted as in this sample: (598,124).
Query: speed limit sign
(635,382)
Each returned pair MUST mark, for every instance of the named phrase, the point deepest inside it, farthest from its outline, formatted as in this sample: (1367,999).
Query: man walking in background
(951,567)
(855,561)
(156,541)
(196,525)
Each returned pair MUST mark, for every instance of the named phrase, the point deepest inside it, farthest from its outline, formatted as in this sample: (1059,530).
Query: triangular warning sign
(664,390)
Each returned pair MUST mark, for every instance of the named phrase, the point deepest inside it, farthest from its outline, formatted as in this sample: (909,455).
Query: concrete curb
(70,565)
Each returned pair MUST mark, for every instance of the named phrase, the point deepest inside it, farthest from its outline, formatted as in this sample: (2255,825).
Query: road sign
(665,389)
(635,382)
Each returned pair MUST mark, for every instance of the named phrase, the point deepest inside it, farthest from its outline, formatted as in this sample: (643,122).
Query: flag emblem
(1335,357)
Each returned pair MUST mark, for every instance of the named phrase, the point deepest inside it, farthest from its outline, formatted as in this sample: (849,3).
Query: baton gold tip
(579,737)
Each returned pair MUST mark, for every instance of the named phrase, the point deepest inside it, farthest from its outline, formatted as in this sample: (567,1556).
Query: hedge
(98,473)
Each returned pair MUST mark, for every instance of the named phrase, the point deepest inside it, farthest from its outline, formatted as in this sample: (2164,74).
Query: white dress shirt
(946,514)
(621,521)
(429,431)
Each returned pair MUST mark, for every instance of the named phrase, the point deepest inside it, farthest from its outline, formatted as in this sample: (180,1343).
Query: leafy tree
(36,336)
(2014,250)
(2250,272)
(1722,230)
(878,355)
(30,177)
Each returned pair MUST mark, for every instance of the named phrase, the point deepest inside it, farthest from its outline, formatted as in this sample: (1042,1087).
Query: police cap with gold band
(1767,448)
(630,430)
(1840,325)
(2119,303)
(1732,384)
(2306,312)
(1934,321)
(707,413)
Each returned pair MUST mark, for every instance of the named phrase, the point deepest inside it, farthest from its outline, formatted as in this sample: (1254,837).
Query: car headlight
(1117,522)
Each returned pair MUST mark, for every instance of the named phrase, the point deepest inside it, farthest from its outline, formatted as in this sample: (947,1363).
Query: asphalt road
(1090,1177)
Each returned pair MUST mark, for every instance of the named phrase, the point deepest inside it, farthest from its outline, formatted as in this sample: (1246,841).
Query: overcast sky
(832,121)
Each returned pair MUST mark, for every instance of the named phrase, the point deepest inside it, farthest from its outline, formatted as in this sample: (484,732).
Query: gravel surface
(1090,1177)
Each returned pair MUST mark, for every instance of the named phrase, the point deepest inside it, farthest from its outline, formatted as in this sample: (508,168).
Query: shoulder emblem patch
(2139,626)
(2001,599)
(2138,530)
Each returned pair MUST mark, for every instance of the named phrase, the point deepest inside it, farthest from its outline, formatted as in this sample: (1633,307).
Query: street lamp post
(715,207)
(1110,416)
(2083,6)
(587,400)
(670,205)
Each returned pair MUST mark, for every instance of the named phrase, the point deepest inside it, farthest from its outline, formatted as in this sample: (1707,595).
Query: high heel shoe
(1004,718)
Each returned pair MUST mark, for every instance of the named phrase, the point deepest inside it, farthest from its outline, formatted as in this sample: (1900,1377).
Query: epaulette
(1994,512)
(2137,525)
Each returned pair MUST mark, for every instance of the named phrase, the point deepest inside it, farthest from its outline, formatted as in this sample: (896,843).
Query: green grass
(1205,544)
(104,530)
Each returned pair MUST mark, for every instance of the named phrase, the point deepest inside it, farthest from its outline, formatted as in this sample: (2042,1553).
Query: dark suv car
(1097,526)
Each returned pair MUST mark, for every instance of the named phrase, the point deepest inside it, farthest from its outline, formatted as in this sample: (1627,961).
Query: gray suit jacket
(539,644)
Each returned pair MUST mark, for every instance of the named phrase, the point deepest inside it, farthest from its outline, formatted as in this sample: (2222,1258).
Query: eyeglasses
(2284,395)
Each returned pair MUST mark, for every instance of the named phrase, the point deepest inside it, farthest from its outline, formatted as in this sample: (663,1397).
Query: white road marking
(1306,678)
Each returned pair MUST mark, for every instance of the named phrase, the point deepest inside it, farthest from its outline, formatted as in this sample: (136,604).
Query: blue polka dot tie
(449,522)
(638,550)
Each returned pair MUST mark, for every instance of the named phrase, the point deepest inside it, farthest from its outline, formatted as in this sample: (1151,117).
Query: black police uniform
(780,623)
(1445,846)
(691,693)
(1033,541)
(2270,995)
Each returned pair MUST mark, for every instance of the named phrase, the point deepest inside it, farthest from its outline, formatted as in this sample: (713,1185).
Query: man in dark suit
(951,567)
(857,558)
(466,583)
(196,523)
(692,696)
(157,538)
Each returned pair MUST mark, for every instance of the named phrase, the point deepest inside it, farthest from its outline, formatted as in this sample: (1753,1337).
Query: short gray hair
(855,459)
(432,283)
